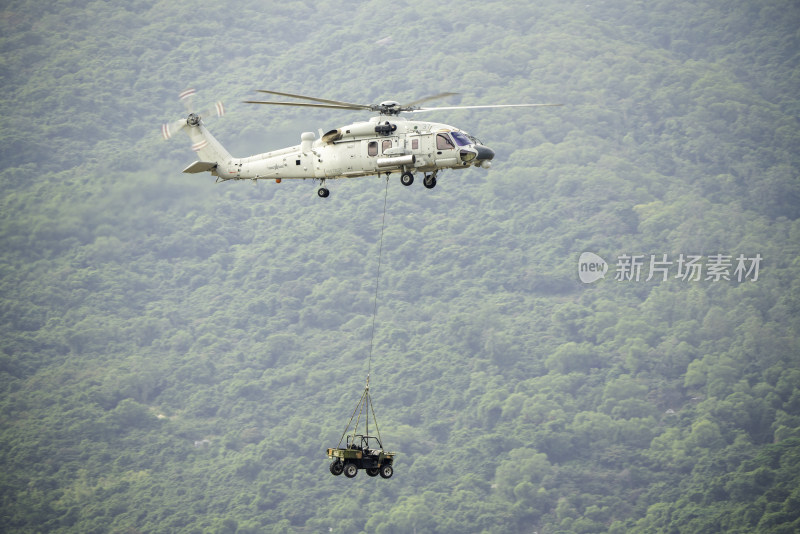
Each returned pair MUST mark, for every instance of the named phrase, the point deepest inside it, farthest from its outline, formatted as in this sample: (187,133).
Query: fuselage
(383,144)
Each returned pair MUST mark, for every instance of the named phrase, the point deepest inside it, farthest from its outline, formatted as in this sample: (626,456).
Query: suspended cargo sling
(364,451)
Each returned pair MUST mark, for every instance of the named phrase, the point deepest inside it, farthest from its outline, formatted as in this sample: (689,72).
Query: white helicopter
(384,144)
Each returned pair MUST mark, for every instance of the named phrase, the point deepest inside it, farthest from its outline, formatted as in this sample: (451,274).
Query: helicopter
(384,144)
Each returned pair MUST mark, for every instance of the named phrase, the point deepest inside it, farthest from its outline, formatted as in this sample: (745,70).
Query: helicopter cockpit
(463,139)
(471,151)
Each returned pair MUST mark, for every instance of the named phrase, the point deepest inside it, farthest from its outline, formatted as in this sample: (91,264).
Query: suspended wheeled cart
(362,451)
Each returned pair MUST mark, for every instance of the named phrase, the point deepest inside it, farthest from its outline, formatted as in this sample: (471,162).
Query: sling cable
(365,451)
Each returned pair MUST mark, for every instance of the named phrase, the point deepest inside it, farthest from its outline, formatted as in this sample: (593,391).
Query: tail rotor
(192,118)
(187,97)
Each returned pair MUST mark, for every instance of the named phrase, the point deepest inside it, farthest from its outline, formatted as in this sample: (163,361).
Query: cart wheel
(337,467)
(350,470)
(387,471)
(373,471)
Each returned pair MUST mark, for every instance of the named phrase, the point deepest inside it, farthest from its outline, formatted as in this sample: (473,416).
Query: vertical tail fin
(206,145)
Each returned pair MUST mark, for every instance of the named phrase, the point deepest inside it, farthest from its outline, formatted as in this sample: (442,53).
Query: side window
(443,142)
(415,144)
(386,145)
(372,148)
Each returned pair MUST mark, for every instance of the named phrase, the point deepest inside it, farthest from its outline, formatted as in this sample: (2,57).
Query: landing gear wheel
(406,178)
(386,471)
(429,181)
(350,470)
(323,192)
(337,467)
(373,471)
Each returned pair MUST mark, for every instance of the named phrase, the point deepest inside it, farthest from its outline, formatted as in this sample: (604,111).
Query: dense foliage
(175,355)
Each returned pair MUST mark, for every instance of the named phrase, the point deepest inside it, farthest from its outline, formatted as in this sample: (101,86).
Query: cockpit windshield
(461,139)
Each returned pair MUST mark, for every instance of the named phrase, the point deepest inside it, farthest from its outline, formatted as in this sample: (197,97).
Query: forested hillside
(176,355)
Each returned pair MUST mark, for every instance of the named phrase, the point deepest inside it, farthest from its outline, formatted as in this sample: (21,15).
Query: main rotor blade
(347,105)
(307,105)
(485,107)
(428,98)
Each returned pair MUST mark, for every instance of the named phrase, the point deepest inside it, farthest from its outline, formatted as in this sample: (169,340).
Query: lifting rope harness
(365,404)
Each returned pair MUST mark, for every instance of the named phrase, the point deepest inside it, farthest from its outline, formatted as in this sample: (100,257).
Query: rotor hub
(389,107)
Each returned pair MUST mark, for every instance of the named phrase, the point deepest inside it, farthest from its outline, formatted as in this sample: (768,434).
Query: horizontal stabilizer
(200,166)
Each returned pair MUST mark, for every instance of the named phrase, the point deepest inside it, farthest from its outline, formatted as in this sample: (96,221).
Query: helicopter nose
(484,153)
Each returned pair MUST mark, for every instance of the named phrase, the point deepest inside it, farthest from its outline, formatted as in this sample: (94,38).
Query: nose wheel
(323,192)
